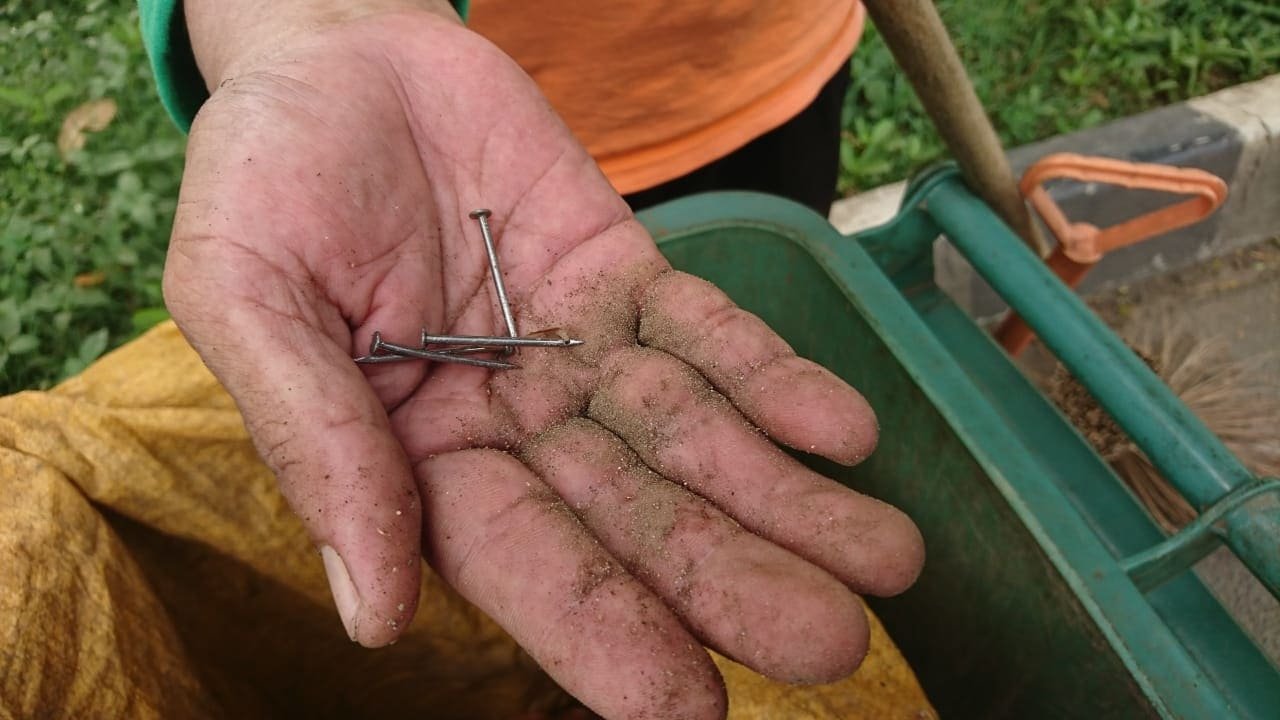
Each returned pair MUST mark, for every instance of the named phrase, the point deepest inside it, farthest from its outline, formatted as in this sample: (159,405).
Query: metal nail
(378,359)
(381,351)
(482,216)
(442,356)
(457,347)
(375,343)
(496,342)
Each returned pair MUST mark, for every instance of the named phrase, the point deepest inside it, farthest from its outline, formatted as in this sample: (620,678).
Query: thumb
(317,424)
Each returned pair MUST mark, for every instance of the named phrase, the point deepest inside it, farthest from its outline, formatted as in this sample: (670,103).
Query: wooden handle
(915,35)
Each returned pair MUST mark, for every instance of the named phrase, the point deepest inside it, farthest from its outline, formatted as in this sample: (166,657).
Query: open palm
(614,506)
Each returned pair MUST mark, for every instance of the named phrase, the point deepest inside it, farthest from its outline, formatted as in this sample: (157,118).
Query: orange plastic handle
(1086,243)
(1080,245)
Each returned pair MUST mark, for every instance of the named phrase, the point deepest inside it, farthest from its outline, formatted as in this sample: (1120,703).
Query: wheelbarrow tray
(1023,608)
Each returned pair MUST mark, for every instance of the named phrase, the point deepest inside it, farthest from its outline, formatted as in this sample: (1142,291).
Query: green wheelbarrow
(1048,590)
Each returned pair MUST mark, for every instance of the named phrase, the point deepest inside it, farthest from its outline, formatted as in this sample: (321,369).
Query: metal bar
(1191,457)
(1159,563)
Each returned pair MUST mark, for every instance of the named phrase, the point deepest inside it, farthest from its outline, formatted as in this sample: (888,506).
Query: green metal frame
(1193,459)
(1048,592)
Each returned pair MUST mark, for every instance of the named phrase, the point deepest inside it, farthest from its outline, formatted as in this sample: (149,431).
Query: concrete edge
(1233,133)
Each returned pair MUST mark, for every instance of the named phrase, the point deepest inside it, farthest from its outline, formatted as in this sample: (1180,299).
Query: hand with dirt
(614,505)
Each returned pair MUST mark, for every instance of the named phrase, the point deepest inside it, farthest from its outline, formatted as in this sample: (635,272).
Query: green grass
(102,213)
(1043,66)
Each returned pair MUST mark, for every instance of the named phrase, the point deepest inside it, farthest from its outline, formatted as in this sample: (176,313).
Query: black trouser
(798,160)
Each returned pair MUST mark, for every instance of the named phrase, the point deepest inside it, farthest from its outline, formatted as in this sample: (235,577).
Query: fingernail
(344,592)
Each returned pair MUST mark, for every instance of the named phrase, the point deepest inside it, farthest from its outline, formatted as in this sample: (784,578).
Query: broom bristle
(1237,399)
(1170,510)
(1233,398)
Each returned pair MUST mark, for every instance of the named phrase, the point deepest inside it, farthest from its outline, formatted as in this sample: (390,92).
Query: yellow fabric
(149,569)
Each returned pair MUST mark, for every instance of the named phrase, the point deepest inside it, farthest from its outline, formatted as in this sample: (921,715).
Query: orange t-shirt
(655,90)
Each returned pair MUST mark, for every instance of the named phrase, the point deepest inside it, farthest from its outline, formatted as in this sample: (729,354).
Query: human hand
(613,506)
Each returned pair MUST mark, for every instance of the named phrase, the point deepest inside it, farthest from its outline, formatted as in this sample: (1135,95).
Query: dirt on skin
(553,385)
(650,509)
(651,513)
(643,513)
(593,573)
(659,329)
(608,325)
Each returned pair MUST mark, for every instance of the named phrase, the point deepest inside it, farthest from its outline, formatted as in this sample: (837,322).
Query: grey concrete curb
(1234,133)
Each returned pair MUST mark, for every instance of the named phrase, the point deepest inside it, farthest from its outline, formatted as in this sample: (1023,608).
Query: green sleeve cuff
(164,32)
(182,90)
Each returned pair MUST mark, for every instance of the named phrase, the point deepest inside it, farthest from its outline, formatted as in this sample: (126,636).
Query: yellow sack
(149,568)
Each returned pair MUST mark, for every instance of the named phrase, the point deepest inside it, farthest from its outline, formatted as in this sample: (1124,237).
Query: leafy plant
(82,236)
(1044,67)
